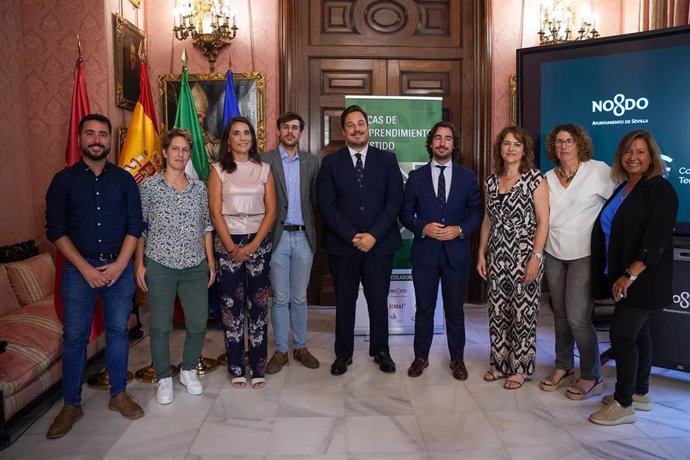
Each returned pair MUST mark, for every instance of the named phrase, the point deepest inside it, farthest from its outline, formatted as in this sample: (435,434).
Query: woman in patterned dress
(243,208)
(511,247)
(174,256)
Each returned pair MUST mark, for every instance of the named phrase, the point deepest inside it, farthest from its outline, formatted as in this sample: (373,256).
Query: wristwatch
(538,255)
(461,234)
(629,275)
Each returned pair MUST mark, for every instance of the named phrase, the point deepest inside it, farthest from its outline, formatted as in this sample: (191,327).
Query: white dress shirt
(447,173)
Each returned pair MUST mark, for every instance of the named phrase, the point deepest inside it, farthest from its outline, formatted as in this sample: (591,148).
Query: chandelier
(560,22)
(208,22)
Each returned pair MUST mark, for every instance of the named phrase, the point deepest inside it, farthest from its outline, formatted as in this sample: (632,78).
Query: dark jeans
(79,301)
(632,348)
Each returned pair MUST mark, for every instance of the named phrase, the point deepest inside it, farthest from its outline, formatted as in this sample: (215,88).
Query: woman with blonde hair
(632,262)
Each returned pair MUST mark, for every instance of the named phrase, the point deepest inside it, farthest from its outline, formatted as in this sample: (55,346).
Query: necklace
(567,177)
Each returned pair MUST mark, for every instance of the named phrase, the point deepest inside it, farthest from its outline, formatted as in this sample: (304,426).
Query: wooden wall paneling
(385,47)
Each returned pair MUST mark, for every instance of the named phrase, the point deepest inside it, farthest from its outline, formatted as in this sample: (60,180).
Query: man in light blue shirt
(294,241)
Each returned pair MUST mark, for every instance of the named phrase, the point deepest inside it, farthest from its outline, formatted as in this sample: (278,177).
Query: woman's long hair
(227,162)
(521,135)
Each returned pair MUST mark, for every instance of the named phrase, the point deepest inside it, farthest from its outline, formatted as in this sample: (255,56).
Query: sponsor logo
(682,299)
(396,306)
(398,291)
(620,104)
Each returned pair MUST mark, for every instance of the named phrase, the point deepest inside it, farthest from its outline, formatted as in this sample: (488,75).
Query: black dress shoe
(385,362)
(339,366)
(459,369)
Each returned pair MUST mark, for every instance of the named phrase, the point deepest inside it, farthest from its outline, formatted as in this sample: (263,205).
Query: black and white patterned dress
(513,305)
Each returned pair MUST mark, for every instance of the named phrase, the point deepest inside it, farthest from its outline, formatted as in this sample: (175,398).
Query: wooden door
(375,47)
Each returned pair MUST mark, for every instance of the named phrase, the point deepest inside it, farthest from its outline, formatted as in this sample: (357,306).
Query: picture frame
(250,88)
(121,136)
(512,106)
(127,39)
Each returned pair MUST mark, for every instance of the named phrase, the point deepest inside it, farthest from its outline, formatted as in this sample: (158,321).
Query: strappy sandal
(514,382)
(492,375)
(238,382)
(580,394)
(258,383)
(549,384)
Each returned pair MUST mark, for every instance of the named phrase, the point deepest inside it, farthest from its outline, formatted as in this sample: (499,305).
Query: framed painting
(208,92)
(127,41)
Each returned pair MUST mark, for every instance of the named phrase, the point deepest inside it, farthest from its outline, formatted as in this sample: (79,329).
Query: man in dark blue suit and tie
(442,207)
(359,193)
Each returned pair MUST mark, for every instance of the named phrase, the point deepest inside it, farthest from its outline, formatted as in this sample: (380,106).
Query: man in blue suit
(442,207)
(359,193)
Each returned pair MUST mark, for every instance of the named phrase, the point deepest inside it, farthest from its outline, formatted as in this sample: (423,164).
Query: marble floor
(309,414)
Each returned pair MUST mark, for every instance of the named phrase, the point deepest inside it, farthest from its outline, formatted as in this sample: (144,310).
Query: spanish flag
(141,154)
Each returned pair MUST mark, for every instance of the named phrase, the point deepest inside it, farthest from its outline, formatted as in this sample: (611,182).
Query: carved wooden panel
(337,17)
(435,18)
(331,48)
(418,23)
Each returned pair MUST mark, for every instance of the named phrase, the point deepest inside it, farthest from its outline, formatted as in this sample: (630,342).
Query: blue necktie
(441,194)
(359,169)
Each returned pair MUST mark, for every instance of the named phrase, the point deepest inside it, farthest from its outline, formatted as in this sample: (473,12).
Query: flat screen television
(611,86)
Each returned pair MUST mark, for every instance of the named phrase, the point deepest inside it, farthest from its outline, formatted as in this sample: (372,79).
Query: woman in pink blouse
(243,207)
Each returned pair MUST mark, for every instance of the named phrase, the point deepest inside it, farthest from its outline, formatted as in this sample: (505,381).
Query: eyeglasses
(294,128)
(561,142)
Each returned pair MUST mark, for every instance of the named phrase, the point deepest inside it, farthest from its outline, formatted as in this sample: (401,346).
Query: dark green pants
(191,285)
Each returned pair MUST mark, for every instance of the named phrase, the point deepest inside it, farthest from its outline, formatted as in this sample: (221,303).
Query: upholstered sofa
(30,333)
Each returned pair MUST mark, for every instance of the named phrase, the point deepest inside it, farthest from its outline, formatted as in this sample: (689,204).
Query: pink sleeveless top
(243,196)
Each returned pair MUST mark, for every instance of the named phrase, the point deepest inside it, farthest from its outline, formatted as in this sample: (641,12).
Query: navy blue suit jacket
(347,210)
(420,207)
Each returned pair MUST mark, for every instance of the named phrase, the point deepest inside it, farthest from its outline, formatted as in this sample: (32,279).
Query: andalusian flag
(141,155)
(186,118)
(230,108)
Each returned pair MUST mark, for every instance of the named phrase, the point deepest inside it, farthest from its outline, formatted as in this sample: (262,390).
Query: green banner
(401,124)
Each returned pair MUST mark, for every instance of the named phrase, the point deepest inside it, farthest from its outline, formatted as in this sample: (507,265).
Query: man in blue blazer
(442,207)
(359,193)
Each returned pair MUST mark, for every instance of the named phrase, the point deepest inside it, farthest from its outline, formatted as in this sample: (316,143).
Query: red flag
(80,108)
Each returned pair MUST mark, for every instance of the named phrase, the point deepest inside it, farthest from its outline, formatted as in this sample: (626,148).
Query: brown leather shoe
(277,361)
(126,405)
(63,422)
(417,367)
(307,359)
(459,369)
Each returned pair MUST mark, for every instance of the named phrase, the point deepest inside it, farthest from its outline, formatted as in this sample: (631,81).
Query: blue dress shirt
(95,212)
(291,167)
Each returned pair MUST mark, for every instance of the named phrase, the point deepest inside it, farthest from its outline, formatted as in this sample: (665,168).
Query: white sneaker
(190,380)
(164,395)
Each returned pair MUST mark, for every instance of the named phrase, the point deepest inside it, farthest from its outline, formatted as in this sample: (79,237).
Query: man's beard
(104,153)
(288,142)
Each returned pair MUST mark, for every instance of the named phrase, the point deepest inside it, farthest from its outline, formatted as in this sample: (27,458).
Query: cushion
(34,343)
(32,279)
(8,301)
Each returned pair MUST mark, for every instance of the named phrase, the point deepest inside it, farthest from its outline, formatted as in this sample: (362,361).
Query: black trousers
(374,272)
(632,349)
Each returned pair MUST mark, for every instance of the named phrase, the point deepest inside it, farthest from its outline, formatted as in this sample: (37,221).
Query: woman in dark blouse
(632,261)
